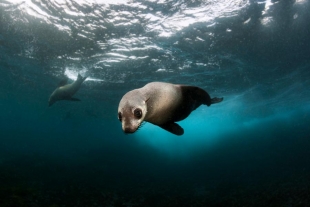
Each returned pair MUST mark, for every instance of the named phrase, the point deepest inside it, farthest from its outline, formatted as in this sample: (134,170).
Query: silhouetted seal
(65,92)
(161,104)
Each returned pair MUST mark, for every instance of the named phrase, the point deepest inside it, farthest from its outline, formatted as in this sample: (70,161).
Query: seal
(66,91)
(161,104)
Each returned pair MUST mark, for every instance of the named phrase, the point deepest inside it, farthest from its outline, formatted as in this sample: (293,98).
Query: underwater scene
(66,65)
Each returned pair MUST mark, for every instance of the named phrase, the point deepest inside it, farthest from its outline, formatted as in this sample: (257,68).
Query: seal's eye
(137,113)
(119,116)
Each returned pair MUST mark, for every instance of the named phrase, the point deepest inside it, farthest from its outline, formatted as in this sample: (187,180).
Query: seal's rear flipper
(81,78)
(216,100)
(173,128)
(197,94)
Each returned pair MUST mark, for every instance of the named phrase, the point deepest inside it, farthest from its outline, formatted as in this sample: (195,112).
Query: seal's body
(65,92)
(161,104)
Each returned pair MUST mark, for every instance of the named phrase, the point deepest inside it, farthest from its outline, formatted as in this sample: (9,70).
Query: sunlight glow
(163,24)
(110,1)
(206,13)
(300,1)
(266,21)
(268,4)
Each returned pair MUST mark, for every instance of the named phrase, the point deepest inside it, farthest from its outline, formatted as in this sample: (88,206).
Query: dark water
(252,149)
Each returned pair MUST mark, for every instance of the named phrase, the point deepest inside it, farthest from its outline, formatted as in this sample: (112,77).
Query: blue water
(250,150)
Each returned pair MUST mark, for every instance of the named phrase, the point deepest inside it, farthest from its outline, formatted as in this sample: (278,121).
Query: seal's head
(132,110)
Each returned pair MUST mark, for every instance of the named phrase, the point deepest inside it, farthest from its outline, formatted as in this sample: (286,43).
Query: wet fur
(162,104)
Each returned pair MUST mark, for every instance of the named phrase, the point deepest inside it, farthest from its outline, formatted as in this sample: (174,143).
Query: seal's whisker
(140,125)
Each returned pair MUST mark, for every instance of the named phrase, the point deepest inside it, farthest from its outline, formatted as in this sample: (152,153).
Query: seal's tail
(216,100)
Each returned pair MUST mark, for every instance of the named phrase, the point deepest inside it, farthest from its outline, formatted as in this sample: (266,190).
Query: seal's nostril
(128,130)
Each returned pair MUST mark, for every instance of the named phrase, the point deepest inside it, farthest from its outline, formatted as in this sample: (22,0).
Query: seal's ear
(146,100)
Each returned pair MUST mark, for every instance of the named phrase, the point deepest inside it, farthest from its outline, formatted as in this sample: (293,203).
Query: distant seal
(65,92)
(161,104)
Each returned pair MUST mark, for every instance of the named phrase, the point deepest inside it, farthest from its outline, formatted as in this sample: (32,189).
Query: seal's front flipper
(173,128)
(74,99)
(216,100)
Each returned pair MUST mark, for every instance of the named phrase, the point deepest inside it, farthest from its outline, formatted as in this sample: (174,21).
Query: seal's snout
(129,130)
